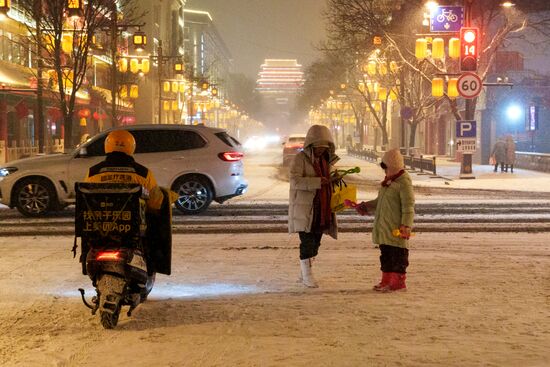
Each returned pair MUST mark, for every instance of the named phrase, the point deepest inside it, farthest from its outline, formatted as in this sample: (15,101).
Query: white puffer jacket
(304,183)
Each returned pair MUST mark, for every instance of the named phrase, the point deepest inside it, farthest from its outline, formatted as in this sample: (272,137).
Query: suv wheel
(195,194)
(35,197)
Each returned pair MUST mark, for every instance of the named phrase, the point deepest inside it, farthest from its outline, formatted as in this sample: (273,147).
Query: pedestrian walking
(499,153)
(309,212)
(393,220)
(510,153)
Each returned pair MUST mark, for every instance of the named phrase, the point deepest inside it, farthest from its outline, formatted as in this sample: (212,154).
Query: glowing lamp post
(74,8)
(139,40)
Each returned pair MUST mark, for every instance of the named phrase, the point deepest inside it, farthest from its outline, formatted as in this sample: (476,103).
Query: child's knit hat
(394,160)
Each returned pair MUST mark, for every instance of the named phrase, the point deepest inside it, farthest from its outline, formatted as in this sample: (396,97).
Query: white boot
(307,274)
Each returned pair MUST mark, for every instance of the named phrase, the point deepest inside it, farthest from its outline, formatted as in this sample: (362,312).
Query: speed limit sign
(469,85)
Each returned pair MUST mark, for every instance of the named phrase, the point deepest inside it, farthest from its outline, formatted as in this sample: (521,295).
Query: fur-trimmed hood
(319,134)
(394,160)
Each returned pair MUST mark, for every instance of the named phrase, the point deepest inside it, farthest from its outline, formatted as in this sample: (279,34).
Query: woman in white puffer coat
(309,212)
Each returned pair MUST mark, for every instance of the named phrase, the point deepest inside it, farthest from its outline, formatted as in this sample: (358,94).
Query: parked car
(200,163)
(293,145)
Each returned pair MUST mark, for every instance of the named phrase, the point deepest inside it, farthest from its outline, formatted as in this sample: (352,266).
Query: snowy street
(233,300)
(474,298)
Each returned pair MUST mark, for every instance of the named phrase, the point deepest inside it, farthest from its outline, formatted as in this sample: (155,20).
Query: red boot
(396,283)
(383,283)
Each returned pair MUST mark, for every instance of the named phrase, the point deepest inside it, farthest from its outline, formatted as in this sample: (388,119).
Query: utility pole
(159,70)
(114,68)
(42,129)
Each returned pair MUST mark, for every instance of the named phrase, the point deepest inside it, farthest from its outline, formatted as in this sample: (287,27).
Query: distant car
(293,145)
(200,163)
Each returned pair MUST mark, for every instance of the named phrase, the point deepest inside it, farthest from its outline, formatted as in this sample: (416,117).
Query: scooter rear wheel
(110,320)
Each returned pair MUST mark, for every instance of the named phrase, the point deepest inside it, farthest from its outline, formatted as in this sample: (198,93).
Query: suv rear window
(153,141)
(228,139)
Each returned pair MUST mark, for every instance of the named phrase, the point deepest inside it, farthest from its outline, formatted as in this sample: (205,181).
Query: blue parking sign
(447,19)
(466,129)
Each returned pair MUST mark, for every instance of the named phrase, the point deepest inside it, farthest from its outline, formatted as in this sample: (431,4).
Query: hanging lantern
(139,40)
(166,87)
(84,113)
(134,91)
(166,105)
(393,94)
(421,48)
(182,87)
(452,88)
(5,6)
(214,92)
(123,65)
(134,66)
(393,67)
(371,68)
(67,43)
(96,115)
(48,41)
(382,93)
(438,48)
(123,91)
(83,121)
(145,66)
(437,87)
(383,69)
(175,87)
(454,48)
(205,85)
(74,8)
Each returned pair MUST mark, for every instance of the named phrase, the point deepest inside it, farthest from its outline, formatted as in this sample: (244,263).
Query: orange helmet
(120,141)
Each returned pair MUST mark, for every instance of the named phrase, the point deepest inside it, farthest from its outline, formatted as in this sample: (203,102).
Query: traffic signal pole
(466,171)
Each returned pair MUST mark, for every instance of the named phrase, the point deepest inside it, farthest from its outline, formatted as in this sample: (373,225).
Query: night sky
(258,29)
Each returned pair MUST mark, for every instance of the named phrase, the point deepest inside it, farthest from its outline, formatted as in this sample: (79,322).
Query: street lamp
(514,112)
(140,40)
(507,4)
(74,8)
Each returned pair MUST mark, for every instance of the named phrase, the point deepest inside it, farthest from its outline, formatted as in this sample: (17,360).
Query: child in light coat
(393,219)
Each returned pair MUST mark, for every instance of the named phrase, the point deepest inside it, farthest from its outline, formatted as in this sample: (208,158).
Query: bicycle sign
(469,85)
(447,19)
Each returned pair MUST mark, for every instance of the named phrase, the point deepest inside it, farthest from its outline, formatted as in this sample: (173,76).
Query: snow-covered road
(232,300)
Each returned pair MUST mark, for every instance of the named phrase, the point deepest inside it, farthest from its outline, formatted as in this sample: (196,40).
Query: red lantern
(84,113)
(96,115)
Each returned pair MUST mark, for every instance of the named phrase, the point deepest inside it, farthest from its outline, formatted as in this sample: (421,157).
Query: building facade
(279,82)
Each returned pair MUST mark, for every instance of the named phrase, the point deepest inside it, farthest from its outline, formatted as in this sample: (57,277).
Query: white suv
(200,163)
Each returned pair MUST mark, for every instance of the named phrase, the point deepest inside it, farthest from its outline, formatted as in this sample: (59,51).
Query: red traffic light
(469,36)
(468,48)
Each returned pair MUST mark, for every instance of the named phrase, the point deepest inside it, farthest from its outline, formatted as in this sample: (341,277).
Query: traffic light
(468,48)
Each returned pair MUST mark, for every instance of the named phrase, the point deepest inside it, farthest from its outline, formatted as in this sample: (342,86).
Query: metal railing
(421,163)
(366,154)
(412,162)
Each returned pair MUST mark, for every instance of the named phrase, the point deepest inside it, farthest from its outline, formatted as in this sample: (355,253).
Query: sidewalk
(448,176)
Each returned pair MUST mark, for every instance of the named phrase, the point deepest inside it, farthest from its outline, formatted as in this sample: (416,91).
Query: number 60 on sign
(469,85)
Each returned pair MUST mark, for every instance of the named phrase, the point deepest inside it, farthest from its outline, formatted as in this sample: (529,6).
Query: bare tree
(352,24)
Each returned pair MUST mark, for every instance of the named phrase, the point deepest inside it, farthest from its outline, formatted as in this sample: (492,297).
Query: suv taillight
(231,156)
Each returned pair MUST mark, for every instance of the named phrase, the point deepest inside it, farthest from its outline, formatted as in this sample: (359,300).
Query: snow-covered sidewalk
(473,299)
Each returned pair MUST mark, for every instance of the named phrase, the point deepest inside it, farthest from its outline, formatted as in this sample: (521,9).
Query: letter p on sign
(466,129)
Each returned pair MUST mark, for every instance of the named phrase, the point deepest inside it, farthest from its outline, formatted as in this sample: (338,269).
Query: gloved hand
(362,208)
(404,232)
